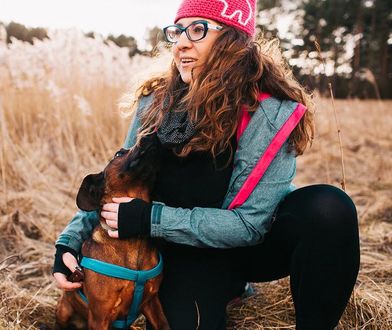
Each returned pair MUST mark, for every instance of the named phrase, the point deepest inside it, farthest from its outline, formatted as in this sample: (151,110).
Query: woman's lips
(186,64)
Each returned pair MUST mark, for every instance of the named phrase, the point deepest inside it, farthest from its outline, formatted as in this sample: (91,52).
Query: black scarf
(176,128)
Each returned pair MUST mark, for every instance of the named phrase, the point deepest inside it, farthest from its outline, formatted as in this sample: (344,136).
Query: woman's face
(189,56)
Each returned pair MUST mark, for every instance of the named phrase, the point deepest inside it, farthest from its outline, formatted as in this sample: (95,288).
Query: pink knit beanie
(237,13)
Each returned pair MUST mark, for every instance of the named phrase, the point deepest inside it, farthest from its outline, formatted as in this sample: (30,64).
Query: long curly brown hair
(237,69)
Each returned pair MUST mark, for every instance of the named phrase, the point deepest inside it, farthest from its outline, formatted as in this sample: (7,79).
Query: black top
(195,180)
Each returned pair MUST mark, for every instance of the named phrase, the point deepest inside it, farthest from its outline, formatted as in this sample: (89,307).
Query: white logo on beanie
(235,12)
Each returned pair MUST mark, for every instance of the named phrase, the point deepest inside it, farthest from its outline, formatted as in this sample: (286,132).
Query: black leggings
(313,239)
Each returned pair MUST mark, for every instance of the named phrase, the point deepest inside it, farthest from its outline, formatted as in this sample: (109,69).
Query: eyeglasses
(195,31)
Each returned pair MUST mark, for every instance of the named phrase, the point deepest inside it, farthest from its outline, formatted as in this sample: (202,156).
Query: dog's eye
(120,153)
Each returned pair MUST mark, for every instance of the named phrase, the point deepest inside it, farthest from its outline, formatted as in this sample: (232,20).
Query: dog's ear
(90,192)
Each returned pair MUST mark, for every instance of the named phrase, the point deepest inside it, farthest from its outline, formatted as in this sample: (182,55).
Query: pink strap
(245,116)
(244,121)
(264,96)
(269,154)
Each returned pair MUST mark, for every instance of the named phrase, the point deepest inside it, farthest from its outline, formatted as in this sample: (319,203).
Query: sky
(128,17)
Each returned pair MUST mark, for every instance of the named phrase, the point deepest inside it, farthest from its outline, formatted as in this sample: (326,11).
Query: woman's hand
(70,261)
(110,214)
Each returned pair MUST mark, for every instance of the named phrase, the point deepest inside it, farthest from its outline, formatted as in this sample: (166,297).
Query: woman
(209,250)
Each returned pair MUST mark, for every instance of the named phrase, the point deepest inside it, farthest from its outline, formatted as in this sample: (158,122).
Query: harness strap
(269,154)
(123,273)
(138,276)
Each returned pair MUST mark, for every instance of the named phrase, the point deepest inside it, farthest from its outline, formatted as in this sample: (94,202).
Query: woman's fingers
(122,199)
(110,207)
(110,210)
(113,233)
(64,284)
(112,224)
(109,215)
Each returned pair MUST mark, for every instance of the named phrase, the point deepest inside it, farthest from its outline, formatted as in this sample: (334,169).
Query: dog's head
(130,173)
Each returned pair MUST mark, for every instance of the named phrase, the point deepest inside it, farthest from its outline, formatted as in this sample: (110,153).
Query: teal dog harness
(140,277)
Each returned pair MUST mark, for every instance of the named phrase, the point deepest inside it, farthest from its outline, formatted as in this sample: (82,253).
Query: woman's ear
(90,192)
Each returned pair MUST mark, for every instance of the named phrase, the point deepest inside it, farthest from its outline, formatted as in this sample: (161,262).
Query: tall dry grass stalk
(59,121)
(343,182)
(2,151)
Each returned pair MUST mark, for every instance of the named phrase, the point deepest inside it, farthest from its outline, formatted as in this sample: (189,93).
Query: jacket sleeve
(222,228)
(82,224)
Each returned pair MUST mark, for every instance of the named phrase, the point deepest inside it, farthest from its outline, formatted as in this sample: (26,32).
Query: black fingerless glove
(59,266)
(134,219)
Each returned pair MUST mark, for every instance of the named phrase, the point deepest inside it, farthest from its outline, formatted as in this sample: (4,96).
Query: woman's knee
(325,207)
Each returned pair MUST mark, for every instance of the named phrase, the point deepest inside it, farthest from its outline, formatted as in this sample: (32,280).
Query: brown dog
(130,173)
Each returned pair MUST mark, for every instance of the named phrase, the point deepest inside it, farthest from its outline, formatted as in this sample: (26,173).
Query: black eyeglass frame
(206,25)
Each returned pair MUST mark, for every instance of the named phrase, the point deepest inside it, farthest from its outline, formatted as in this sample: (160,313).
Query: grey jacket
(212,227)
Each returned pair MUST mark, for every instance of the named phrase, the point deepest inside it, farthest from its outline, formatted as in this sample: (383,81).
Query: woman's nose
(183,41)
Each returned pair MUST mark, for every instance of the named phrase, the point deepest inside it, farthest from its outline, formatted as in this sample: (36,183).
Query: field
(60,119)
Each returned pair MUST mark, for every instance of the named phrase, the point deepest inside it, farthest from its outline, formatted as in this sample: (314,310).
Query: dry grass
(52,135)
